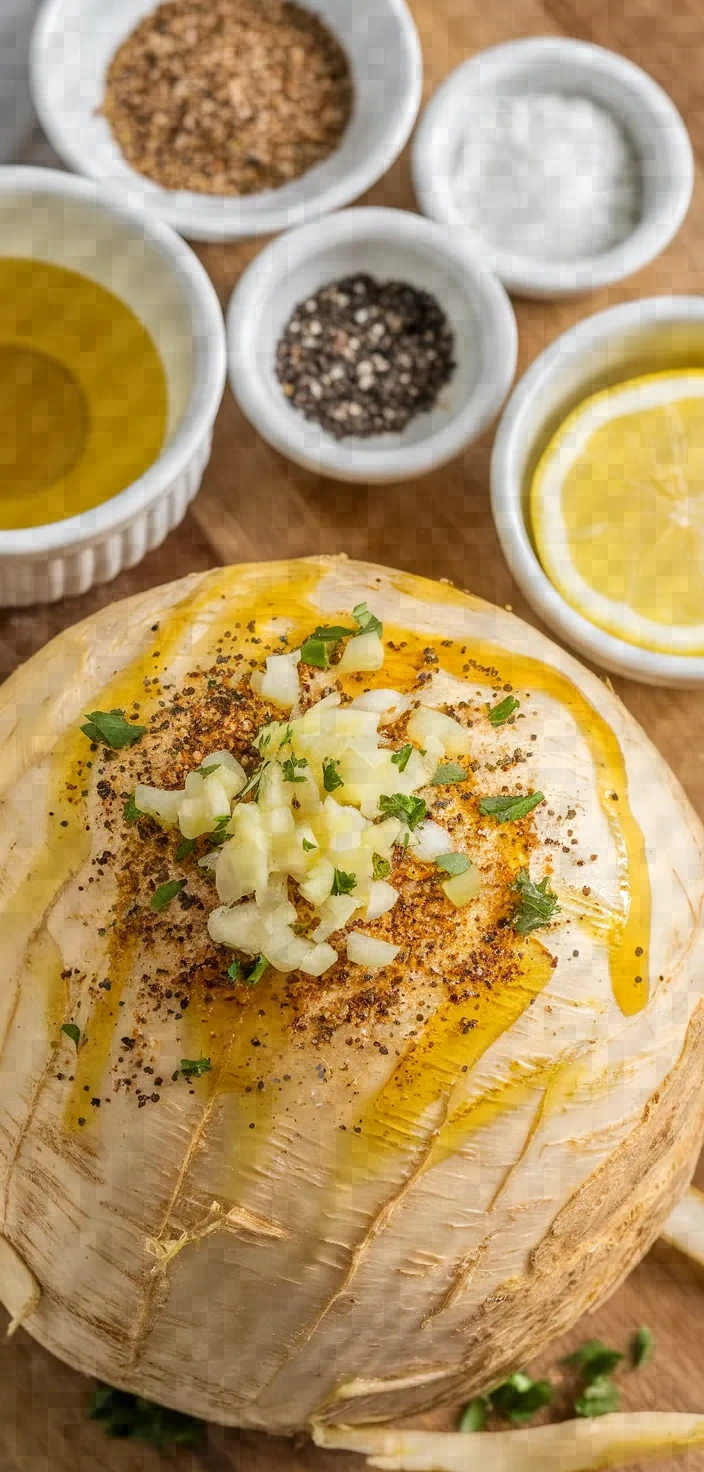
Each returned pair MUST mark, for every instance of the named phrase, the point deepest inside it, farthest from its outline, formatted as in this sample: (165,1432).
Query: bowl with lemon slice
(598,488)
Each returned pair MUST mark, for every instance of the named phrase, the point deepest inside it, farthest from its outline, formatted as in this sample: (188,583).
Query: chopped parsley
(598,1398)
(166,893)
(537,904)
(331,776)
(111,727)
(257,971)
(368,622)
(519,1398)
(307,846)
(499,714)
(509,809)
(290,767)
(642,1345)
(401,758)
(453,863)
(130,1417)
(593,1360)
(315,649)
(410,810)
(343,883)
(447,772)
(474,1415)
(234,971)
(381,868)
(72,1032)
(220,833)
(130,811)
(185,849)
(194,1067)
(252,781)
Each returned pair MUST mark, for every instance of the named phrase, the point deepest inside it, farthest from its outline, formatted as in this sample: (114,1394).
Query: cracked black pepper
(363,357)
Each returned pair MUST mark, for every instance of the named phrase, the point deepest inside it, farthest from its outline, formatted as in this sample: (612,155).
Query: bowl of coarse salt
(368,346)
(231,118)
(564,164)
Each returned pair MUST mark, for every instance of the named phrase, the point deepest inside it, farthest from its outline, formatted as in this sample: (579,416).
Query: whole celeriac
(351,1192)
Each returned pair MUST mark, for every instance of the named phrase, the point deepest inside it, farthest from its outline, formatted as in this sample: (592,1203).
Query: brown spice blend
(228,96)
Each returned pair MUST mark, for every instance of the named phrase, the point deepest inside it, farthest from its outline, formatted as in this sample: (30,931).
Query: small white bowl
(74,41)
(50,216)
(550,63)
(389,245)
(653,334)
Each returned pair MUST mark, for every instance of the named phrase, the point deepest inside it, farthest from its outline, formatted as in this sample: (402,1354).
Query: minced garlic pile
(331,804)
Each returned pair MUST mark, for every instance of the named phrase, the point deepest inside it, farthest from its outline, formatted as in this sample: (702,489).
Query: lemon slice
(617,507)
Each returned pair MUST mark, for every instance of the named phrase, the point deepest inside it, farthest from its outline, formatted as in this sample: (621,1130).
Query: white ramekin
(71,222)
(389,245)
(650,335)
(553,63)
(74,41)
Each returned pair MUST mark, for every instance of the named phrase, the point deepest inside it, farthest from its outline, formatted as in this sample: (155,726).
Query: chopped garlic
(297,829)
(364,652)
(439,733)
(366,950)
(279,682)
(389,705)
(462,888)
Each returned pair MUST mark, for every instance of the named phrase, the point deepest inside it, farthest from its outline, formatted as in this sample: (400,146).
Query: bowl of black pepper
(370,346)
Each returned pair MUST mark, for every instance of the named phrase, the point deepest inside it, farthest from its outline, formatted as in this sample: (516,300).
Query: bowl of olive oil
(112,368)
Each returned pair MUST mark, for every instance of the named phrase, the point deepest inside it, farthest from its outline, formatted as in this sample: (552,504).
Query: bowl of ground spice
(369,346)
(229,118)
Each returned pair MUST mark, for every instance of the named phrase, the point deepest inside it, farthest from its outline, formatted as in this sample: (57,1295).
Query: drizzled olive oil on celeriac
(83,396)
(357,899)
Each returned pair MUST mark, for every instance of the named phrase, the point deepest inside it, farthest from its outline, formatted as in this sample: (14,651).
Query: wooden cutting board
(254,505)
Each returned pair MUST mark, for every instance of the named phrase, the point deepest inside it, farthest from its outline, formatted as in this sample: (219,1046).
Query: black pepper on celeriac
(363,357)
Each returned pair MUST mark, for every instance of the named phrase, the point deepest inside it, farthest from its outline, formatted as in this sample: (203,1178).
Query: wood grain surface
(254,504)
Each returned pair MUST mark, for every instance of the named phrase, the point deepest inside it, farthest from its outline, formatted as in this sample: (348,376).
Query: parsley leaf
(447,772)
(72,1032)
(453,863)
(519,1398)
(499,714)
(474,1415)
(332,633)
(234,971)
(509,809)
(194,1067)
(307,847)
(343,883)
(331,776)
(598,1398)
(315,651)
(185,848)
(252,781)
(594,1360)
(642,1345)
(368,622)
(537,904)
(381,868)
(130,811)
(410,810)
(166,893)
(400,758)
(128,1416)
(289,768)
(257,971)
(111,727)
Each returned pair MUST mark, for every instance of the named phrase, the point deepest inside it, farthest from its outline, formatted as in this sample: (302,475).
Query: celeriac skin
(388,1189)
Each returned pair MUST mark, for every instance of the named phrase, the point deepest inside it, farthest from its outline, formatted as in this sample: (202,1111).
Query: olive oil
(83,396)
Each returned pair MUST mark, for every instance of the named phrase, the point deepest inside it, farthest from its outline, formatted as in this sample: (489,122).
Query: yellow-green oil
(83,395)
